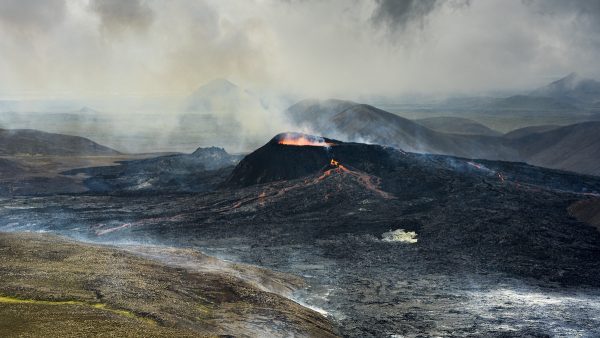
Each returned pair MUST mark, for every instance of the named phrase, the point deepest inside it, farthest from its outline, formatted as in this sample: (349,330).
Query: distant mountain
(457,125)
(350,121)
(86,111)
(575,147)
(34,142)
(571,94)
(317,113)
(216,95)
(518,133)
(520,103)
(571,88)
(533,103)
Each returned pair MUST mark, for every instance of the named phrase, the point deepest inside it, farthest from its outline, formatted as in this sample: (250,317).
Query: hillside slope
(34,142)
(520,132)
(56,287)
(457,125)
(349,121)
(179,172)
(575,147)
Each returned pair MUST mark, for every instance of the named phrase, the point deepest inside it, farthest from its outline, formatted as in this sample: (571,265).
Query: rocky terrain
(587,211)
(389,242)
(30,175)
(202,170)
(195,172)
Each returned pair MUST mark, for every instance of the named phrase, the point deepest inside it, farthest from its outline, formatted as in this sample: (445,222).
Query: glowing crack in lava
(336,164)
(298,139)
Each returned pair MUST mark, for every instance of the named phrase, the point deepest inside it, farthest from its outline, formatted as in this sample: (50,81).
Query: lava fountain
(299,139)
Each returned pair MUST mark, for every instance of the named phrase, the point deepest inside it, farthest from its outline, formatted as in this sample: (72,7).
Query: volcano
(293,155)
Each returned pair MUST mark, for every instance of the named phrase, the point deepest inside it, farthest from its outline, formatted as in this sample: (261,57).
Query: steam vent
(294,155)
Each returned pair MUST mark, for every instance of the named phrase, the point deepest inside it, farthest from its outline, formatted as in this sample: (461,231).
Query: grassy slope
(55,287)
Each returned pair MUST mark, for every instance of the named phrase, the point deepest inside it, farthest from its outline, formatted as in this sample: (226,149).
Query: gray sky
(95,48)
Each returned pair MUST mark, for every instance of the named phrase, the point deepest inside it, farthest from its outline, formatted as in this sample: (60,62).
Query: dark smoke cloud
(585,11)
(588,8)
(115,48)
(398,14)
(583,15)
(119,15)
(31,16)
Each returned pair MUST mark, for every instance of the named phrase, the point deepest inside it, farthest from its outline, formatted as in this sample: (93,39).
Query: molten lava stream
(304,140)
(368,181)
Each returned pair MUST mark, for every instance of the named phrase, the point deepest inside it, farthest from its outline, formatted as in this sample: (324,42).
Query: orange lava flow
(501,177)
(304,141)
(476,165)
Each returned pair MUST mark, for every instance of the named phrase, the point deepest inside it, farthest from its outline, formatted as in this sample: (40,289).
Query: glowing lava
(297,139)
(501,177)
(336,164)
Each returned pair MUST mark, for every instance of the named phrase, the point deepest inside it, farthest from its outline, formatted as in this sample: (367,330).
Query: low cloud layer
(400,14)
(29,16)
(150,48)
(118,15)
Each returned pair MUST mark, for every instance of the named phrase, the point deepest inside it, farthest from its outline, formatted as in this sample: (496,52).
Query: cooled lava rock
(202,170)
(293,155)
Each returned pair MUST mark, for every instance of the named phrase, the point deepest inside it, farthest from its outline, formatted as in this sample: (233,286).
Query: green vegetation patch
(124,313)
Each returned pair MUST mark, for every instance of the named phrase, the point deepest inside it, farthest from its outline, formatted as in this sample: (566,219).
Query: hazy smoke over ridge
(105,48)
(119,15)
(108,51)
(399,14)
(23,16)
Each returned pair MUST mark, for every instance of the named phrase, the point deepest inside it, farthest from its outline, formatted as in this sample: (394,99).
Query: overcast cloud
(96,48)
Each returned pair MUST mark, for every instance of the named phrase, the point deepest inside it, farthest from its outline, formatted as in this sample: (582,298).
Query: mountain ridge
(35,142)
(350,121)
